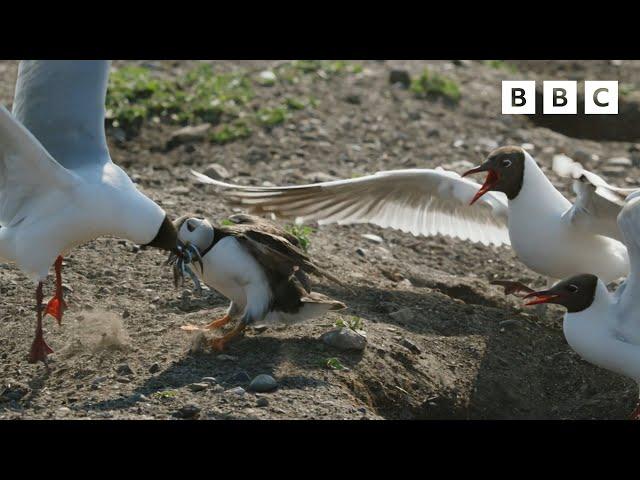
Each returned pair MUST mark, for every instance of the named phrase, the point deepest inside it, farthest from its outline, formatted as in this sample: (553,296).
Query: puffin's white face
(197,231)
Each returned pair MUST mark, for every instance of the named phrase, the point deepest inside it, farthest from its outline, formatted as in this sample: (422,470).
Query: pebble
(198,387)
(216,171)
(361,252)
(179,190)
(345,339)
(411,346)
(188,411)
(236,391)
(400,76)
(267,78)
(154,368)
(223,357)
(372,238)
(188,134)
(620,162)
(263,383)
(255,155)
(124,369)
(262,402)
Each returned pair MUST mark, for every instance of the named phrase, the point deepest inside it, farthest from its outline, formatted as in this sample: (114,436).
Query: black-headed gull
(602,327)
(517,205)
(258,267)
(58,185)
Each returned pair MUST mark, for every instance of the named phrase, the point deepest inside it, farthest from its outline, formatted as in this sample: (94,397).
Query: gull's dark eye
(506,163)
(572,288)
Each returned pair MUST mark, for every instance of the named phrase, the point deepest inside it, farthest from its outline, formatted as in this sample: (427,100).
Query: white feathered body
(546,241)
(53,221)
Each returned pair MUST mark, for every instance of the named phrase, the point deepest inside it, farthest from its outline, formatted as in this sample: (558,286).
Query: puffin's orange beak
(544,296)
(489,183)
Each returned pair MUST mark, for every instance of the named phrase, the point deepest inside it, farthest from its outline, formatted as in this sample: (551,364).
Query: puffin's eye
(572,288)
(506,163)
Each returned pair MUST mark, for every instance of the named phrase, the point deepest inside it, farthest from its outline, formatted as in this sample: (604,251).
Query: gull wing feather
(419,201)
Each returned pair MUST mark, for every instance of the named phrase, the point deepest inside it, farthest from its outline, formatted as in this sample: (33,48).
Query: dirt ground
(457,349)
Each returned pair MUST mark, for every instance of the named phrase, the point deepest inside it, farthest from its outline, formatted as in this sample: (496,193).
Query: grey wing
(419,201)
(597,203)
(26,170)
(629,292)
(62,103)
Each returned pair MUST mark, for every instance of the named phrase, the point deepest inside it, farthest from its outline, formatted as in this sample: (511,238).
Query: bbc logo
(559,97)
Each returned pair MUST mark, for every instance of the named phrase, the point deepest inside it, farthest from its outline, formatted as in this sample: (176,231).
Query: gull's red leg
(39,348)
(57,305)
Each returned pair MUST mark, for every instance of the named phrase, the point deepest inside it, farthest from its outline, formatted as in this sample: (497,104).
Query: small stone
(255,155)
(488,143)
(509,323)
(226,358)
(217,389)
(126,314)
(182,190)
(404,315)
(353,99)
(361,252)
(216,171)
(620,162)
(64,410)
(318,177)
(236,391)
(154,368)
(372,238)
(401,77)
(345,339)
(188,134)
(124,369)
(188,411)
(262,402)
(14,391)
(263,383)
(458,143)
(411,346)
(528,146)
(267,78)
(198,387)
(209,380)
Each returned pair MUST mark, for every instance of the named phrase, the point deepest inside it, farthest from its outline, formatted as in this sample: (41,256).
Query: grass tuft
(430,84)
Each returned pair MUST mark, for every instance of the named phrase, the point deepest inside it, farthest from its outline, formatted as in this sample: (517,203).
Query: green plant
(431,84)
(230,132)
(270,117)
(501,65)
(354,323)
(165,394)
(302,234)
(334,364)
(226,222)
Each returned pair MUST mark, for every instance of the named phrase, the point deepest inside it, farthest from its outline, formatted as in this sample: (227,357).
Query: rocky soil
(441,342)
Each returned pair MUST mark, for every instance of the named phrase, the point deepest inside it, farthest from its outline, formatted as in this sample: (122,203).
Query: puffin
(517,205)
(59,187)
(604,327)
(260,268)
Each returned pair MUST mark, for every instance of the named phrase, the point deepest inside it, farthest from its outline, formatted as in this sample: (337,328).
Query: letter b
(560,97)
(518,97)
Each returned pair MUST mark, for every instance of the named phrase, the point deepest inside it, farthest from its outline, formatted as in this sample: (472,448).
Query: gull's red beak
(489,183)
(544,296)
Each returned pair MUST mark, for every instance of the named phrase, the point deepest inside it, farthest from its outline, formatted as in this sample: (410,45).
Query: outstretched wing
(277,253)
(419,201)
(62,103)
(597,204)
(26,169)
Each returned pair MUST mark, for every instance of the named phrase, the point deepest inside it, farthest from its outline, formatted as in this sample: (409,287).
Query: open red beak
(489,183)
(541,297)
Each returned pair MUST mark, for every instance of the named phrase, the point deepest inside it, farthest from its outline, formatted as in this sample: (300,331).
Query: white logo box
(559,97)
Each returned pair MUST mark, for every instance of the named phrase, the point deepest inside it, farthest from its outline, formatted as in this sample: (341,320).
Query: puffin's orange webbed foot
(219,323)
(219,343)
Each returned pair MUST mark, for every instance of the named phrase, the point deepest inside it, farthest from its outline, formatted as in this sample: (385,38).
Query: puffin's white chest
(234,272)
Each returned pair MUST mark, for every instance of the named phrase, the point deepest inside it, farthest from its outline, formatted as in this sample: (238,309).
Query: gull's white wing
(26,169)
(422,202)
(62,103)
(597,204)
(627,295)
